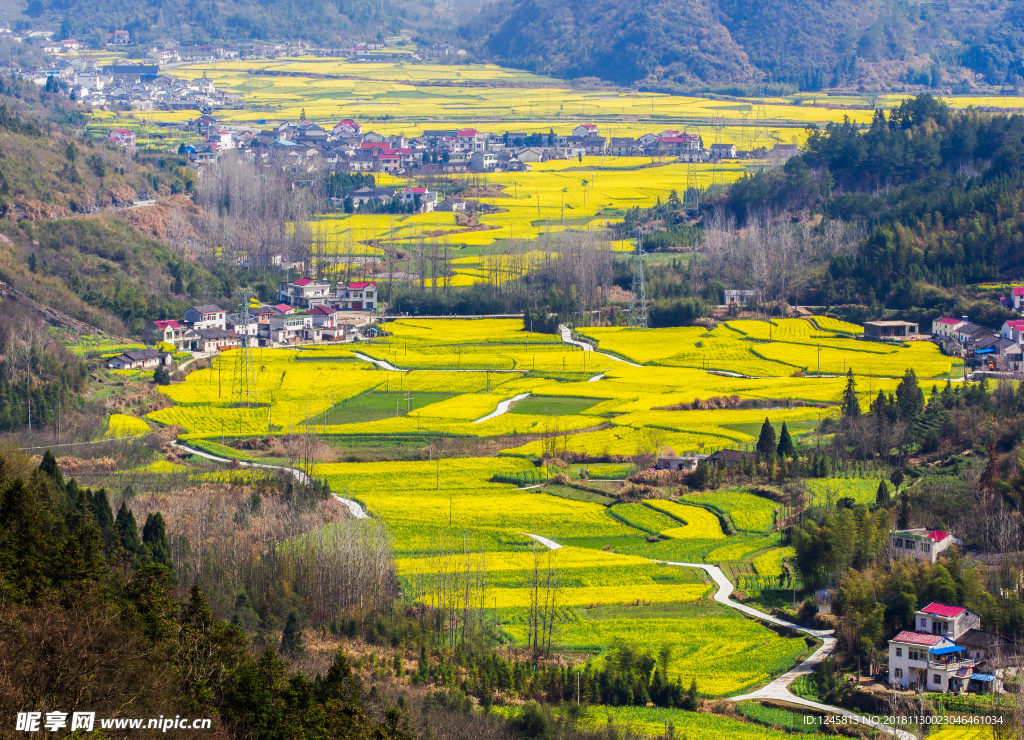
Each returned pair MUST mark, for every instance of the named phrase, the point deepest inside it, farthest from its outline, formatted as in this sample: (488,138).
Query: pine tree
(50,468)
(851,404)
(154,537)
(104,518)
(128,530)
(882,496)
(766,442)
(909,396)
(291,638)
(785,448)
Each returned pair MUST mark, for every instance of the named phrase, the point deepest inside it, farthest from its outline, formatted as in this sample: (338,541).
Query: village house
(889,329)
(169,331)
(923,544)
(1017,296)
(451,205)
(139,359)
(946,327)
(421,199)
(243,324)
(285,329)
(304,293)
(356,296)
(944,651)
(205,317)
(723,151)
(679,462)
(214,339)
(1012,330)
(739,297)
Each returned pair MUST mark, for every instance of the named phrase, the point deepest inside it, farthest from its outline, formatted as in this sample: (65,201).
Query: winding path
(354,508)
(566,333)
(778,689)
(503,407)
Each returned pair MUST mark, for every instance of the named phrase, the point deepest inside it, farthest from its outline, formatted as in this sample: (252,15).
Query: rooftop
(949,322)
(918,638)
(943,610)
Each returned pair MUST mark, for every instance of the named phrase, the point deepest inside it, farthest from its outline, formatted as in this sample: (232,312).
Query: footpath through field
(566,333)
(356,510)
(778,689)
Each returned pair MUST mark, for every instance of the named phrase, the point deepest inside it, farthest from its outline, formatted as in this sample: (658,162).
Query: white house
(206,317)
(912,661)
(1012,330)
(427,198)
(946,327)
(243,324)
(469,139)
(531,154)
(169,331)
(1017,296)
(305,292)
(923,544)
(585,129)
(357,296)
(679,462)
(139,359)
(929,655)
(739,297)
(724,151)
(214,339)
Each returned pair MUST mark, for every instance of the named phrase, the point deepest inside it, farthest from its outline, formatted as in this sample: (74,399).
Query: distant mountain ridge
(804,43)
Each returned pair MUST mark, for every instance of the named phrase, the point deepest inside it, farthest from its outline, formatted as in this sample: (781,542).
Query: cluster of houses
(980,346)
(308,311)
(303,148)
(136,86)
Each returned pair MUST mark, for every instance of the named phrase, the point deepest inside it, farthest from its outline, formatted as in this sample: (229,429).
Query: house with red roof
(923,544)
(356,296)
(304,293)
(122,137)
(169,331)
(585,129)
(930,658)
(1012,330)
(946,327)
(1017,296)
(424,200)
(347,127)
(469,139)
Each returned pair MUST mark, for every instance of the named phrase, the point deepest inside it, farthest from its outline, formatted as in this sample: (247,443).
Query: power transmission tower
(717,173)
(760,123)
(243,383)
(691,196)
(638,296)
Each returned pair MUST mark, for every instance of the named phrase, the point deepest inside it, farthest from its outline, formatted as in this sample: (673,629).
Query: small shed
(890,329)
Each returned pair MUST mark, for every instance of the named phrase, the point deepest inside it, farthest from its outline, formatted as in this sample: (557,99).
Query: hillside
(808,45)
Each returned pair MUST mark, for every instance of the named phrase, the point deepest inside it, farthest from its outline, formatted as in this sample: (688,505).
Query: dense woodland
(733,46)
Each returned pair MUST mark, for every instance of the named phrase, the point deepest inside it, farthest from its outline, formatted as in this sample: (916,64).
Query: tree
(766,442)
(850,406)
(161,376)
(50,468)
(882,496)
(128,530)
(154,537)
(909,396)
(291,638)
(897,478)
(785,448)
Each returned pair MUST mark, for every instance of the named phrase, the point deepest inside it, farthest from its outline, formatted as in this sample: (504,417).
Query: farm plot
(747,511)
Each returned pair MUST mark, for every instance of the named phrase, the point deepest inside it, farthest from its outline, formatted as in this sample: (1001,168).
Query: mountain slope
(809,44)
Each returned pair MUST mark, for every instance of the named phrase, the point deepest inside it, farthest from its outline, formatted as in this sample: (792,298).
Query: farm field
(450,377)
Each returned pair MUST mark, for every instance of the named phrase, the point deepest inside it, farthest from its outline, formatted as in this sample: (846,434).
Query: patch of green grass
(553,405)
(374,405)
(575,494)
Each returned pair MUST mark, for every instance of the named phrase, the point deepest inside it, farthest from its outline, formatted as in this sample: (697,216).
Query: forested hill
(329,22)
(807,44)
(942,192)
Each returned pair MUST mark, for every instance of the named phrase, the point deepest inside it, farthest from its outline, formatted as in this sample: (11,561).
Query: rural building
(357,296)
(739,297)
(585,129)
(451,205)
(169,331)
(969,334)
(243,324)
(305,293)
(731,458)
(426,198)
(679,462)
(723,151)
(214,340)
(206,317)
(946,327)
(924,660)
(1017,296)
(1012,330)
(923,544)
(889,329)
(139,359)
